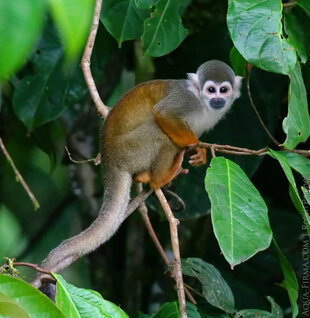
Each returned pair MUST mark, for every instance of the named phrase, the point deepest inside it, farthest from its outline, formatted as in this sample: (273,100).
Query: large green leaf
(11,237)
(293,188)
(84,303)
(298,163)
(20,25)
(290,281)
(238,63)
(40,98)
(305,4)
(214,287)
(239,213)
(18,297)
(163,31)
(123,19)
(297,123)
(276,312)
(256,30)
(73,19)
(297,24)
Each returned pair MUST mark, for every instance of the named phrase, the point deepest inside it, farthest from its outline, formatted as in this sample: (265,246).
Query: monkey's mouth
(217,103)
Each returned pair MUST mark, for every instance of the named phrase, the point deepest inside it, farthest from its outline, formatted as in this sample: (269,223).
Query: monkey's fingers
(199,158)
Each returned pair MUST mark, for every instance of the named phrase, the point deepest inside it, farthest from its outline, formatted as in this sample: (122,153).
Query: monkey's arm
(172,114)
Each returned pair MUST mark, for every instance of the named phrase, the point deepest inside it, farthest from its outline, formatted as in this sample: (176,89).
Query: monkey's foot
(143,177)
(199,158)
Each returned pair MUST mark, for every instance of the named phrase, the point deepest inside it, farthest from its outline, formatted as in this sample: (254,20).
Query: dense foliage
(227,219)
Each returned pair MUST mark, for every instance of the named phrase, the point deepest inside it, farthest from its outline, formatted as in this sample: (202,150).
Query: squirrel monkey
(144,138)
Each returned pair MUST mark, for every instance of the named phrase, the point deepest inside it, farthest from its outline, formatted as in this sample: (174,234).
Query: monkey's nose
(217,102)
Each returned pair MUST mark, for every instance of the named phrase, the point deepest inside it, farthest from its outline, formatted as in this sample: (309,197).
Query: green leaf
(306,193)
(9,308)
(276,311)
(84,303)
(40,98)
(123,19)
(299,163)
(163,31)
(239,213)
(293,188)
(290,281)
(214,287)
(305,5)
(256,31)
(170,310)
(297,24)
(192,311)
(10,234)
(144,4)
(25,299)
(73,19)
(238,63)
(21,22)
(297,123)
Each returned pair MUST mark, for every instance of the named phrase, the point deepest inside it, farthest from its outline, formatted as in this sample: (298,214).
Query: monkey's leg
(166,167)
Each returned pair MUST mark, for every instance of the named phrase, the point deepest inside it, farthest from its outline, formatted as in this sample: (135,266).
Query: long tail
(112,214)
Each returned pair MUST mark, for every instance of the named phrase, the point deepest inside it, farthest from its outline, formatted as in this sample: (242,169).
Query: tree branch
(177,271)
(232,150)
(102,109)
(19,177)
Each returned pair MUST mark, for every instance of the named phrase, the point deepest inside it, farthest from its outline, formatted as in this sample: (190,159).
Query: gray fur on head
(216,71)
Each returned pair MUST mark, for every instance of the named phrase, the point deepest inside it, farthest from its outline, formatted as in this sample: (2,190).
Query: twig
(143,210)
(175,197)
(212,148)
(257,113)
(19,176)
(232,150)
(137,201)
(96,160)
(102,109)
(289,4)
(173,223)
(31,265)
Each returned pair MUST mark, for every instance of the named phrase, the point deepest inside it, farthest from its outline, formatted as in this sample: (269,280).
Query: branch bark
(177,271)
(102,109)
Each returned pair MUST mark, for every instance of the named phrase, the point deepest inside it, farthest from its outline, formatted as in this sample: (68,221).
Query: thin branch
(10,263)
(143,210)
(289,4)
(173,223)
(33,266)
(137,201)
(175,197)
(232,150)
(96,160)
(19,176)
(257,113)
(102,109)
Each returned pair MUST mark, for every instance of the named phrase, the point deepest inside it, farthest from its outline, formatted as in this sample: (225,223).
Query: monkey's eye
(223,89)
(211,89)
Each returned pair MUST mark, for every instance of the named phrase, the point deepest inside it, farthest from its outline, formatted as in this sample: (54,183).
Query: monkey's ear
(194,82)
(237,86)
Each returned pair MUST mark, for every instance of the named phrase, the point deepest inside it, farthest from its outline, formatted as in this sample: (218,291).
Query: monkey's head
(216,85)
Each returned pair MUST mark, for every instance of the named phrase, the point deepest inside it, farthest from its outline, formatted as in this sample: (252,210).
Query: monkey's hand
(199,158)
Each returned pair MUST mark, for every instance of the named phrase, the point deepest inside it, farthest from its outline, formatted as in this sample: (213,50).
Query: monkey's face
(217,96)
